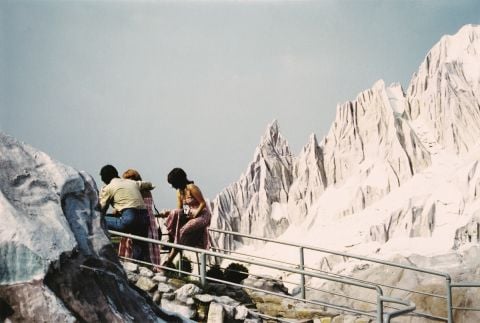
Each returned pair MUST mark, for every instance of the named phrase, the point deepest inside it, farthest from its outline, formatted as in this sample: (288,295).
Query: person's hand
(192,214)
(163,214)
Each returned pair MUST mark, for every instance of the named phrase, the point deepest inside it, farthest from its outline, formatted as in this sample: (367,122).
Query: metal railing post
(302,276)
(449,298)
(202,276)
(379,305)
(180,265)
(203,269)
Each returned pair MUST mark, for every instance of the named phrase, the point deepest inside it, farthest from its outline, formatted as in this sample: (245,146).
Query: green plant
(186,266)
(216,272)
(235,273)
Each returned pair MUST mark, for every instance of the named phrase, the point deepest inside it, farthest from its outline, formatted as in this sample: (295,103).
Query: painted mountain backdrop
(398,172)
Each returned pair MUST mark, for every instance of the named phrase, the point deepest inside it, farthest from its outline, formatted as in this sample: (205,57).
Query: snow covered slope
(397,173)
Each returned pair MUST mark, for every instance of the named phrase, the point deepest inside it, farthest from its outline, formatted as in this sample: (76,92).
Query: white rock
(241,312)
(204,298)
(215,313)
(164,288)
(187,291)
(130,267)
(143,271)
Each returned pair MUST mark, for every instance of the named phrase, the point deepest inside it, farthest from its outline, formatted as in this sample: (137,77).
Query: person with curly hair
(188,223)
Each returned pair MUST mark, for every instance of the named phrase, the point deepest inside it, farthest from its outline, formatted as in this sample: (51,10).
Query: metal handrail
(203,278)
(306,267)
(445,276)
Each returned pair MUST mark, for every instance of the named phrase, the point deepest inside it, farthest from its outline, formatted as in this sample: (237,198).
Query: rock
(229,311)
(145,272)
(246,206)
(160,278)
(164,288)
(157,297)
(176,283)
(180,308)
(57,262)
(241,312)
(187,291)
(132,277)
(216,288)
(296,291)
(204,298)
(168,296)
(146,284)
(130,267)
(226,300)
(252,320)
(215,313)
(322,320)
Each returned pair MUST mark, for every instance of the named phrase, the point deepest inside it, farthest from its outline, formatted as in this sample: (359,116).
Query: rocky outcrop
(309,181)
(221,302)
(445,92)
(393,165)
(57,263)
(371,141)
(246,206)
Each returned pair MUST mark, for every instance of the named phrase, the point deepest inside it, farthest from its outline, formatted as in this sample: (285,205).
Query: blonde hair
(132,174)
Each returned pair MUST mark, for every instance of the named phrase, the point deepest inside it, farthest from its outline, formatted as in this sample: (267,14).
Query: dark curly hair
(107,173)
(178,178)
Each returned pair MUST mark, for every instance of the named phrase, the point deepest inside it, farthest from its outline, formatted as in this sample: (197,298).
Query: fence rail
(445,276)
(379,313)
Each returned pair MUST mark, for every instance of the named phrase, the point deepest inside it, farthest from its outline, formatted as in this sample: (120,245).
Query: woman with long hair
(188,223)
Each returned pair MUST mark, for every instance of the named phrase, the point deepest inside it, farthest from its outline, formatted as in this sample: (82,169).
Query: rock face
(57,263)
(445,92)
(393,166)
(248,205)
(371,140)
(310,181)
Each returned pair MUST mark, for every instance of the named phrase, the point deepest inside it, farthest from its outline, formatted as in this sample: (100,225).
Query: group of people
(133,212)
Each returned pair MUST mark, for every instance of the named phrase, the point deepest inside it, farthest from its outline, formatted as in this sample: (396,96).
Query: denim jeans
(133,221)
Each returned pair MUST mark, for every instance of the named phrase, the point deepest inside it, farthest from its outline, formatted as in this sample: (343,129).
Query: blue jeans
(133,221)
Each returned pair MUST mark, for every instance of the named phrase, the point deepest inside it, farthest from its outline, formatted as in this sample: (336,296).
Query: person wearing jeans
(124,195)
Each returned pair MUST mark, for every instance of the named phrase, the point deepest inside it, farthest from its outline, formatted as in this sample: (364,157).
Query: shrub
(235,273)
(215,272)
(186,265)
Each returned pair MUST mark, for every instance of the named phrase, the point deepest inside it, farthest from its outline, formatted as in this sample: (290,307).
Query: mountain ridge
(378,143)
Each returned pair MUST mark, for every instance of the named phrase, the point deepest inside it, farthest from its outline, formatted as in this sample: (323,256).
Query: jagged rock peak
(272,144)
(246,206)
(444,94)
(272,135)
(309,180)
(464,41)
(464,46)
(311,151)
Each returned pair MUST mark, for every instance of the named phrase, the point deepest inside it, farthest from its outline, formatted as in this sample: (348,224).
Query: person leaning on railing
(125,246)
(188,224)
(126,199)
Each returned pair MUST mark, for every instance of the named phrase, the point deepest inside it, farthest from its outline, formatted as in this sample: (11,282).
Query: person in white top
(126,199)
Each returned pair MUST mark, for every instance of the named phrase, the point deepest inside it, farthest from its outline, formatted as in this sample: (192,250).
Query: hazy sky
(158,84)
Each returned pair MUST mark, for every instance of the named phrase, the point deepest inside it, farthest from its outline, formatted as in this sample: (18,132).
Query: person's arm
(104,199)
(179,200)
(147,186)
(198,196)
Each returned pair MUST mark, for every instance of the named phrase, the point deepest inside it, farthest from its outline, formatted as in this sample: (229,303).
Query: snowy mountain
(397,172)
(253,199)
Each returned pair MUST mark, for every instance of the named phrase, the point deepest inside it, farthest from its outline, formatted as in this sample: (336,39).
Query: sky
(154,85)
